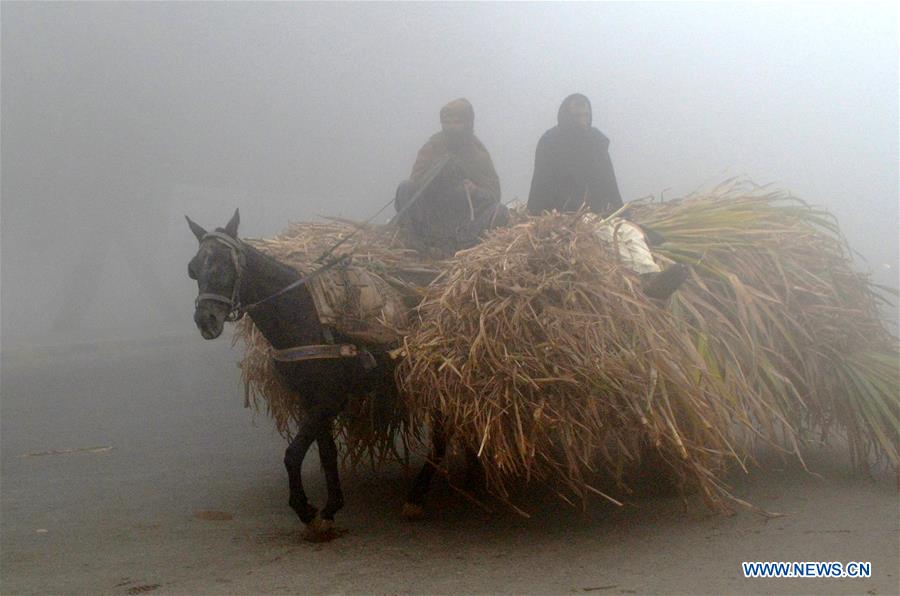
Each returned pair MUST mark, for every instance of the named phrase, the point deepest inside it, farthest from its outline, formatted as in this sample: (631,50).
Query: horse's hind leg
(413,509)
(328,454)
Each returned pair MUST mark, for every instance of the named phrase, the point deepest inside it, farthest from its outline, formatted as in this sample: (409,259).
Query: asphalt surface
(133,469)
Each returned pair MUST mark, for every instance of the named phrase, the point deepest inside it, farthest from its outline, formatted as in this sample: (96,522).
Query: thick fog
(119,118)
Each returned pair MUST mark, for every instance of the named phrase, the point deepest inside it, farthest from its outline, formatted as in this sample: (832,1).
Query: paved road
(124,520)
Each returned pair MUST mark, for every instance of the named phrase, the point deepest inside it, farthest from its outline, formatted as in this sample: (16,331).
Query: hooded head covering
(564,117)
(462,109)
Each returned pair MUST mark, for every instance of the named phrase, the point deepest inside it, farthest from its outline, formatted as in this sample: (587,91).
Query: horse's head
(217,267)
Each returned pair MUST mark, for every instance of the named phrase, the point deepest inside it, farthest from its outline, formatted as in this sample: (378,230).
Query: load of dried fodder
(543,356)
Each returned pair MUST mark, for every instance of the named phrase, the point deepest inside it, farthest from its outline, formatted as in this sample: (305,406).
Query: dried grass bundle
(378,249)
(543,355)
(777,307)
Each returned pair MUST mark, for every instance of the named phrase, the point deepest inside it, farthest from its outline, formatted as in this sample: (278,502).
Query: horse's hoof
(321,530)
(413,512)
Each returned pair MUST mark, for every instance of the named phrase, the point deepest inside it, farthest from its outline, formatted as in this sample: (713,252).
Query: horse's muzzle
(210,320)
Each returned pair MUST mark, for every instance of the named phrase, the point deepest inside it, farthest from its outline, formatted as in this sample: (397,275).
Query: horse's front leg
(310,428)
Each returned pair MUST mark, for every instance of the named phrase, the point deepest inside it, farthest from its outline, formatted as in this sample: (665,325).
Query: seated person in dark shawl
(572,169)
(572,165)
(463,200)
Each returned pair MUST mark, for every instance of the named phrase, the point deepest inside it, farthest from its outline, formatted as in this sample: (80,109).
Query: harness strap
(225,239)
(303,280)
(315,352)
(215,297)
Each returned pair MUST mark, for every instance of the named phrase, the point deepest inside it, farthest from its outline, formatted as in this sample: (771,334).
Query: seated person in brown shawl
(572,170)
(463,201)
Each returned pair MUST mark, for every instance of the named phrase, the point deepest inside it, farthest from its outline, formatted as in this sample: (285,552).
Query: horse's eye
(191,273)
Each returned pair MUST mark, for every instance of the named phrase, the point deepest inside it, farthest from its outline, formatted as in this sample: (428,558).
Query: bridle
(235,311)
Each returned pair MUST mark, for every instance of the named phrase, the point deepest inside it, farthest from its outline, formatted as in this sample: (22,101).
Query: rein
(237,252)
(237,310)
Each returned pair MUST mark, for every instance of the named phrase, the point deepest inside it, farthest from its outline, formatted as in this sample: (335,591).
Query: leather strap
(316,352)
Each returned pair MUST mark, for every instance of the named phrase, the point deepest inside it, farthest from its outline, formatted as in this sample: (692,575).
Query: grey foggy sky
(117,118)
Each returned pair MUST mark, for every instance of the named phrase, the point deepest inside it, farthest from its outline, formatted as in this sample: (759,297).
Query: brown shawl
(471,156)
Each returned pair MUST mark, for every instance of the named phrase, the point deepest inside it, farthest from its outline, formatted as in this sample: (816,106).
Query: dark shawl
(572,165)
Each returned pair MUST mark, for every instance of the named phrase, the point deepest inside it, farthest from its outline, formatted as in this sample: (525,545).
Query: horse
(323,367)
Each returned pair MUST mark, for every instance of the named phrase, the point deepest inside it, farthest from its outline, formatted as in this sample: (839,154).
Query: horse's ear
(232,226)
(196,229)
